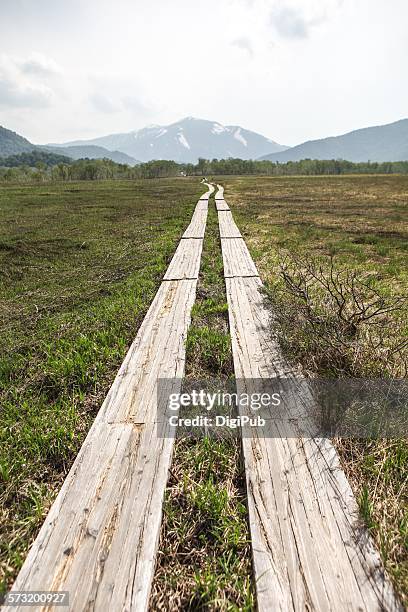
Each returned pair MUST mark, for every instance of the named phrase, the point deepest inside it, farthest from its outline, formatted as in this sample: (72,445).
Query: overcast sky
(292,70)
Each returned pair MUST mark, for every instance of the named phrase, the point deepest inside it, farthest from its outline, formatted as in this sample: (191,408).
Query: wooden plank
(309,549)
(208,193)
(236,257)
(220,193)
(159,349)
(202,205)
(186,260)
(100,537)
(221,205)
(227,225)
(196,229)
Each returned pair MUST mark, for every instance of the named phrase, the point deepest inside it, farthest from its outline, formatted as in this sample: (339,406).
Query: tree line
(45,166)
(32,158)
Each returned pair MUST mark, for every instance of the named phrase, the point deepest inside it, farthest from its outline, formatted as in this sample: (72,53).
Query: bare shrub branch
(337,321)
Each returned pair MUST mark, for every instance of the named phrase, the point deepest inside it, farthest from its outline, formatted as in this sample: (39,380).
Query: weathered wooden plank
(196,228)
(221,205)
(220,193)
(309,549)
(236,257)
(227,225)
(100,537)
(157,351)
(186,260)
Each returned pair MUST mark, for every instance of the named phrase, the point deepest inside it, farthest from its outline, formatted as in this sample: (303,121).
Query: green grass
(80,265)
(360,222)
(204,560)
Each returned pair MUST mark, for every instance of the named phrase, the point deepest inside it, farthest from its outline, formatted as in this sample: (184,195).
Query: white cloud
(137,104)
(39,65)
(18,90)
(295,18)
(245,43)
(103,103)
(289,22)
(116,93)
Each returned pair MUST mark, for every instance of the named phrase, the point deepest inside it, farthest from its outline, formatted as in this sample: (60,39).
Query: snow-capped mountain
(186,141)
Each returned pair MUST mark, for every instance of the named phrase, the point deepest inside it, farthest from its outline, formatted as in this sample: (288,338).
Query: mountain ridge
(379,143)
(12,143)
(92,152)
(185,141)
(188,139)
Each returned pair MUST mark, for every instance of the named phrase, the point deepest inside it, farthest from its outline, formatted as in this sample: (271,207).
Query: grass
(80,264)
(358,224)
(204,560)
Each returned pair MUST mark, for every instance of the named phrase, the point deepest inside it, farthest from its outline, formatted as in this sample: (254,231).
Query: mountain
(13,144)
(189,139)
(186,141)
(380,143)
(92,152)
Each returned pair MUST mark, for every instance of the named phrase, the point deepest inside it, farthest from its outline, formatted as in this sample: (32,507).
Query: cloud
(103,104)
(14,95)
(137,105)
(17,90)
(111,94)
(296,18)
(245,43)
(289,22)
(39,65)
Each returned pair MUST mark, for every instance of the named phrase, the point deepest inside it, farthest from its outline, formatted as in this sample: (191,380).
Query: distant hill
(93,152)
(186,141)
(12,144)
(32,158)
(380,143)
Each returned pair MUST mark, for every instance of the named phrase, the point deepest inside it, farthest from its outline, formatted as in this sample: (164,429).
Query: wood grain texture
(186,260)
(310,551)
(196,228)
(99,540)
(227,225)
(236,257)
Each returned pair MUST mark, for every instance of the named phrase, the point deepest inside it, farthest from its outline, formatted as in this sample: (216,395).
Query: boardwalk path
(100,537)
(309,550)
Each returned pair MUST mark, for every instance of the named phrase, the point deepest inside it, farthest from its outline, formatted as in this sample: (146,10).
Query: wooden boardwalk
(310,551)
(100,537)
(99,540)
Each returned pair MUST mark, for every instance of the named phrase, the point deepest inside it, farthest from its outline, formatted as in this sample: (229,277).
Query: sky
(292,70)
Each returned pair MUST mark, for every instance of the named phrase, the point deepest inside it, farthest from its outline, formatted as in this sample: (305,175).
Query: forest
(45,166)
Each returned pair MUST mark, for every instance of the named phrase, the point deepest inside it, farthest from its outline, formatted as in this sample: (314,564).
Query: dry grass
(377,470)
